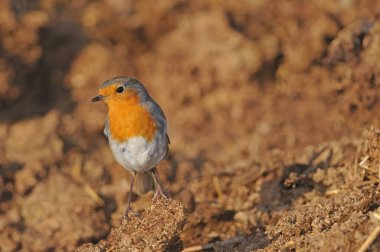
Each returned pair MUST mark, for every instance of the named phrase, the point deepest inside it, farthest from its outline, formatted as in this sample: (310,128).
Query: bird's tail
(144,182)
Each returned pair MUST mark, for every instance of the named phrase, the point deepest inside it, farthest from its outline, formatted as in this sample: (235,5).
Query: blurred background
(254,93)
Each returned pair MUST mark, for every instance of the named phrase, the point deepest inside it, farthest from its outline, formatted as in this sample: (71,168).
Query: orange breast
(127,118)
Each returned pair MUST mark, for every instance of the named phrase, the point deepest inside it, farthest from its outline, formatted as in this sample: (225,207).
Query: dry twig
(362,163)
(218,188)
(370,239)
(212,245)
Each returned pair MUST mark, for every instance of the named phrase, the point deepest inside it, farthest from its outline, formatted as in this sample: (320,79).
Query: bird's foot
(159,194)
(127,213)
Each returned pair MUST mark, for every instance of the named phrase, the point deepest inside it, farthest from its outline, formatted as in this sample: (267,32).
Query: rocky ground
(273,118)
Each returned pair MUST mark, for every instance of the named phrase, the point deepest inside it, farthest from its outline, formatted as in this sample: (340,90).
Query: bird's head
(121,90)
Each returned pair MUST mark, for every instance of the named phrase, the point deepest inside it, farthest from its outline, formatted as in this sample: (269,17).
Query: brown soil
(273,118)
(147,231)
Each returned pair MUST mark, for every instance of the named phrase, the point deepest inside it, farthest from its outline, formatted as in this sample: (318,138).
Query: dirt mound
(156,229)
(272,117)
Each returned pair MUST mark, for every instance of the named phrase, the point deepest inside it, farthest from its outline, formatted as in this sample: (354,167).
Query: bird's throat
(129,119)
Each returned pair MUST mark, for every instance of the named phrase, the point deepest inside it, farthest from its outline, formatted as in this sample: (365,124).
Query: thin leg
(160,191)
(130,195)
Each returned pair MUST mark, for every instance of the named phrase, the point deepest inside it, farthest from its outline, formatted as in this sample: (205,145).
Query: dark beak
(97,98)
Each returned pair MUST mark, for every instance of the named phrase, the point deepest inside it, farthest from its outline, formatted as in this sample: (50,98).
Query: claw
(126,214)
(159,193)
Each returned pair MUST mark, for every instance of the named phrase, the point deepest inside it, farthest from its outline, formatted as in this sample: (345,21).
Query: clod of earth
(156,229)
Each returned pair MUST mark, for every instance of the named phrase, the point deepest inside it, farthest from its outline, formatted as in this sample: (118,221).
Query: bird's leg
(160,191)
(130,197)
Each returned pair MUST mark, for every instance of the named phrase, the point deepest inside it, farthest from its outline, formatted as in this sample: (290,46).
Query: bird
(136,129)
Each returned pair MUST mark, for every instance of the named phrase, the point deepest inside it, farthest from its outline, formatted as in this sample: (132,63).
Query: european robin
(136,129)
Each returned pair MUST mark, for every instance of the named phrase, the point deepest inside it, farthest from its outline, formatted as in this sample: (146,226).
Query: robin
(137,132)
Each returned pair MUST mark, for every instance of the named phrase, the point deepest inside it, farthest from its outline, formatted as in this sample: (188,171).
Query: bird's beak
(97,98)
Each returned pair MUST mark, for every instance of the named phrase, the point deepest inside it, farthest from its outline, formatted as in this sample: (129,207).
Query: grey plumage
(106,128)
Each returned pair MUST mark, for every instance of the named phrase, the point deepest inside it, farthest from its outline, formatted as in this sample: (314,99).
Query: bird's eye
(120,89)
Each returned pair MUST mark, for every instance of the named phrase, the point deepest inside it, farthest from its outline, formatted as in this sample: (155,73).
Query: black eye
(120,89)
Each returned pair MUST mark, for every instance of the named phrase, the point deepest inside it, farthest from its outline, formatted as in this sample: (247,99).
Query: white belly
(137,154)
